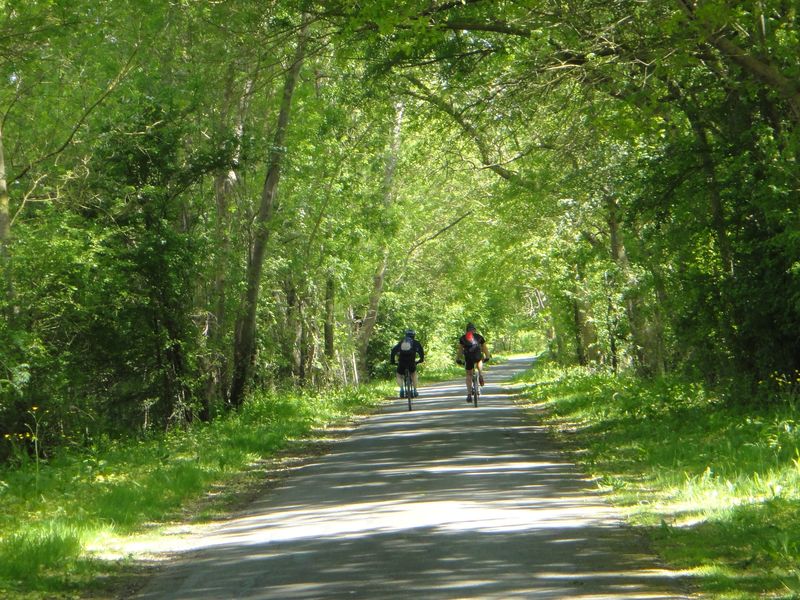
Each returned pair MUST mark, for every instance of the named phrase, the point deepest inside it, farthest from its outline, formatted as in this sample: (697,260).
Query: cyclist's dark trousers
(470,363)
(404,364)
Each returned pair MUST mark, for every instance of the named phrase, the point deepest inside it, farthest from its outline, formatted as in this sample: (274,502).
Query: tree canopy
(197,199)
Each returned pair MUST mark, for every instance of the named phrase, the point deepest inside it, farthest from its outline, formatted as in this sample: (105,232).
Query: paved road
(446,501)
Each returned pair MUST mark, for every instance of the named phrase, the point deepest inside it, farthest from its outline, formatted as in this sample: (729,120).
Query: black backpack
(407,348)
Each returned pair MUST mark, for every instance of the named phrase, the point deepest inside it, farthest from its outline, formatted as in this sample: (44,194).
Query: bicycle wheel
(409,385)
(476,389)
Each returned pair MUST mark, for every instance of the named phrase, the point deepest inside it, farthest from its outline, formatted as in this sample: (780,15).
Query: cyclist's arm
(485,350)
(459,353)
(395,350)
(421,353)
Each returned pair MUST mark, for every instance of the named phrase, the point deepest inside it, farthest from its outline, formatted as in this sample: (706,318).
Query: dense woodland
(198,199)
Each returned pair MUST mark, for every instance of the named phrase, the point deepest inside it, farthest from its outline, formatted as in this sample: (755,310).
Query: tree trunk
(714,195)
(655,332)
(611,325)
(224,185)
(578,317)
(245,334)
(330,316)
(586,334)
(718,223)
(632,300)
(368,324)
(306,346)
(5,226)
(700,131)
(293,330)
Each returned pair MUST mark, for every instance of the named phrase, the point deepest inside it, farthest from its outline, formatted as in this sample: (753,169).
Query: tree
(244,342)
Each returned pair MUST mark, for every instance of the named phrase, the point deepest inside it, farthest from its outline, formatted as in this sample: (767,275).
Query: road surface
(446,501)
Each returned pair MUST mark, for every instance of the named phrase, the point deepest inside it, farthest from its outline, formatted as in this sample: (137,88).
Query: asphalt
(445,501)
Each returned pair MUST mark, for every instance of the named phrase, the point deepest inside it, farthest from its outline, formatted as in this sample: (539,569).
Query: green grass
(429,375)
(58,515)
(714,483)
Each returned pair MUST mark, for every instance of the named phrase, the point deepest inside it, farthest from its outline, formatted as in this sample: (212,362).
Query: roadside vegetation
(60,517)
(712,478)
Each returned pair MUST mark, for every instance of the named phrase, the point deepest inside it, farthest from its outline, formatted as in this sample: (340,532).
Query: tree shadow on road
(445,501)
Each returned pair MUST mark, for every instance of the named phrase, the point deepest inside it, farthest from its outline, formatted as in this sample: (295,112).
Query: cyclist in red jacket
(472,351)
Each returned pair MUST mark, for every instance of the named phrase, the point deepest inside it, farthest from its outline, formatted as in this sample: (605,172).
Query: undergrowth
(713,479)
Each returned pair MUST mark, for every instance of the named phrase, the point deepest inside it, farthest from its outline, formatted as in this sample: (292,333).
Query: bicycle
(476,388)
(408,386)
(476,384)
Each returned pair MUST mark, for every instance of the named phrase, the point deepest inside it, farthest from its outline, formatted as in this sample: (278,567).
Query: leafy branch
(106,93)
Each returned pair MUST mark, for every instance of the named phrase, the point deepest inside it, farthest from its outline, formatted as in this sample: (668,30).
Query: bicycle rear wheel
(409,385)
(476,389)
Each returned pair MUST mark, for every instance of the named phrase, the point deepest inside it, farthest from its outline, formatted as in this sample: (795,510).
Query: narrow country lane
(446,501)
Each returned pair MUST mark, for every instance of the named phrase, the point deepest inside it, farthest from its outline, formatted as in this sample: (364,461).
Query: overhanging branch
(433,236)
(110,88)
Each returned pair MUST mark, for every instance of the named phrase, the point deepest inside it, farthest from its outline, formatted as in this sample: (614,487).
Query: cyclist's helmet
(471,327)
(411,333)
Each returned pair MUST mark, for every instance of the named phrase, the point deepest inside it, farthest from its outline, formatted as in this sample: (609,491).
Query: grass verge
(714,483)
(58,517)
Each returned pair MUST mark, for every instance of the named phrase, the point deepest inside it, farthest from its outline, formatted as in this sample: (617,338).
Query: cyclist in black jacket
(406,350)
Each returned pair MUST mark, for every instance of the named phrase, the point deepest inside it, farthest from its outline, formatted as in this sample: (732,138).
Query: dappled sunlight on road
(445,501)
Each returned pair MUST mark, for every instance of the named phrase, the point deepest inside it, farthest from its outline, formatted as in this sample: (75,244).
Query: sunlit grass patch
(716,483)
(449,371)
(751,549)
(26,552)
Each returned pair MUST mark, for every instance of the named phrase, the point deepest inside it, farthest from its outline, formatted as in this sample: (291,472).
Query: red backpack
(472,348)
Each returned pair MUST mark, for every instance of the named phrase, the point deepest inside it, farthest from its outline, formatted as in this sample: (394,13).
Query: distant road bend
(446,501)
